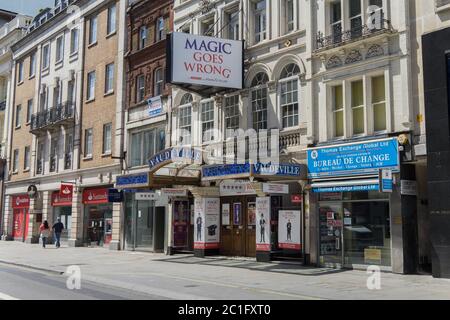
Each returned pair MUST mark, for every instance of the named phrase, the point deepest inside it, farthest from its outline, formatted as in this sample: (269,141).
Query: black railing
(358,31)
(50,117)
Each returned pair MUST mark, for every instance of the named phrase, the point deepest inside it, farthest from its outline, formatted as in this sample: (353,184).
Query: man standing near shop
(58,227)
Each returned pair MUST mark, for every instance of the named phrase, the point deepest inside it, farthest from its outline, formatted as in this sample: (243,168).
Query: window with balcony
(109,78)
(160,29)
(59,49)
(358,107)
(207,119)
(355,18)
(74,38)
(259,20)
(32,64)
(379,103)
(18,116)
(45,57)
(338,111)
(143,37)
(140,88)
(93,30)
(29,110)
(16,161)
(259,101)
(145,144)
(27,158)
(91,85)
(289,95)
(107,140)
(111,23)
(336,21)
(158,79)
(184,119)
(88,142)
(232,23)
(232,115)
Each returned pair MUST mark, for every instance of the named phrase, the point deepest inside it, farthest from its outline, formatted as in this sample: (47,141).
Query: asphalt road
(18,283)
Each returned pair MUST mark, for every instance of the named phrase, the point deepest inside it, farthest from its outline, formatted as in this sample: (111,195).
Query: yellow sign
(420,118)
(372,255)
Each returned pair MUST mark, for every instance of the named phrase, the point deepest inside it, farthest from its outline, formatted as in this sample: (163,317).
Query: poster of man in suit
(289,230)
(263,224)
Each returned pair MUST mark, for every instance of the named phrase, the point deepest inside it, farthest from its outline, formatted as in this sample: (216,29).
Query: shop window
(145,144)
(379,103)
(358,107)
(259,101)
(207,118)
(289,95)
(338,111)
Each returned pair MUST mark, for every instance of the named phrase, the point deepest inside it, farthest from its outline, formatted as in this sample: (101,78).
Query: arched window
(184,119)
(259,101)
(289,95)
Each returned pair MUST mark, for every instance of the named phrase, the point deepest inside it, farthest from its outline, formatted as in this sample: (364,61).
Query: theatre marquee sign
(205,61)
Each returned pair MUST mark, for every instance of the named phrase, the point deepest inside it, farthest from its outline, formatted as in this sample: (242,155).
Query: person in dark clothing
(58,227)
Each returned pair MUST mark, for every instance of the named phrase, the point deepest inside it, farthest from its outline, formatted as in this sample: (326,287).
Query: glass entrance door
(331,244)
(139,224)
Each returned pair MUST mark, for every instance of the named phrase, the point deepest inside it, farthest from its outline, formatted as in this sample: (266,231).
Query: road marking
(4,296)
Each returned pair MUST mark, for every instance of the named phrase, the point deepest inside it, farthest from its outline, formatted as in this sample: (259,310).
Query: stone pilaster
(76,232)
(116,226)
(47,210)
(33,223)
(7,220)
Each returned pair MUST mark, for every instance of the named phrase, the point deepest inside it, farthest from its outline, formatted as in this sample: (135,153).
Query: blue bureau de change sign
(354,159)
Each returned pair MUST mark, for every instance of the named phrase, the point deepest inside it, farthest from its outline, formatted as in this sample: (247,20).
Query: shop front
(21,216)
(97,217)
(62,209)
(354,212)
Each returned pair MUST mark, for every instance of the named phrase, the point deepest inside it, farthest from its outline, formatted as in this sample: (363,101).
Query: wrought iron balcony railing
(357,32)
(53,117)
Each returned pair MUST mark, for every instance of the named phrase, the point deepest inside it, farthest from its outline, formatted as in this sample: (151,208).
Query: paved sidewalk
(187,277)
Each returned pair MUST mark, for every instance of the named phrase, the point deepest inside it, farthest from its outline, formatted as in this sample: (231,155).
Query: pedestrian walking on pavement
(44,229)
(58,227)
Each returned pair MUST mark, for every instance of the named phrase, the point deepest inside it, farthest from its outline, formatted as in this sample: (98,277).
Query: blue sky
(29,7)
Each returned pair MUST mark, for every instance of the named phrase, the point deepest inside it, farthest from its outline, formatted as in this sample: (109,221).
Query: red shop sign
(95,196)
(61,201)
(21,202)
(66,190)
(296,198)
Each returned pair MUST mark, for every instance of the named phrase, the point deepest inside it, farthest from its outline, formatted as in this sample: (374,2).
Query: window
(20,72)
(40,158)
(289,15)
(45,57)
(145,144)
(74,35)
(71,91)
(231,115)
(32,64)
(59,49)
(107,131)
(160,29)
(207,27)
(18,115)
(16,161)
(379,103)
(57,96)
(27,159)
(259,101)
(336,21)
(111,25)
(29,110)
(338,111)
(232,21)
(358,107)
(43,99)
(88,141)
(54,146)
(289,95)
(140,88)
(184,119)
(68,151)
(109,78)
(93,30)
(259,11)
(207,118)
(158,82)
(91,85)
(143,37)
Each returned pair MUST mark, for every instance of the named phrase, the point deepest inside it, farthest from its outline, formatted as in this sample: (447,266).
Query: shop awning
(346,186)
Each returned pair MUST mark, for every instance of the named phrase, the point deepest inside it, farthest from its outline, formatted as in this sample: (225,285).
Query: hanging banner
(289,230)
(207,223)
(20,202)
(66,190)
(154,106)
(263,224)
